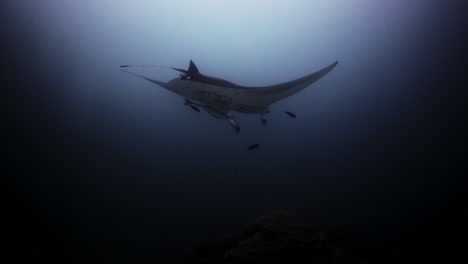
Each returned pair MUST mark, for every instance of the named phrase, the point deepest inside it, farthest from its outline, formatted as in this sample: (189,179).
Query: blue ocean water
(108,167)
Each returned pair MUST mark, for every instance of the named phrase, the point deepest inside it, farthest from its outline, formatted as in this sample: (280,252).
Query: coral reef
(276,237)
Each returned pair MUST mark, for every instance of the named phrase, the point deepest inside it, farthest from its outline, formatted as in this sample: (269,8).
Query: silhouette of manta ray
(219,97)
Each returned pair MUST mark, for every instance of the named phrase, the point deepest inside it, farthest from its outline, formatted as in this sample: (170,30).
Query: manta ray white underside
(219,97)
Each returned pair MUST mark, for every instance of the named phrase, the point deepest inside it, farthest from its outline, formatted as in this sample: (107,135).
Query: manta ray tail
(152,65)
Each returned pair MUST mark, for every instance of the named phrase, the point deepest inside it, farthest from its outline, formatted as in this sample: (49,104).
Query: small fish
(195,108)
(254,146)
(290,114)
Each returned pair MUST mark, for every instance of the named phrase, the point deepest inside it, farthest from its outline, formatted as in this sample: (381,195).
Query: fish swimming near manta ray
(195,108)
(290,114)
(219,97)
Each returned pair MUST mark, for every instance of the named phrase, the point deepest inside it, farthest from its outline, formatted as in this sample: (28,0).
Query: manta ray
(220,97)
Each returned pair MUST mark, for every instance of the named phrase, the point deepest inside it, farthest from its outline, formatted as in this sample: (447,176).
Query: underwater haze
(106,167)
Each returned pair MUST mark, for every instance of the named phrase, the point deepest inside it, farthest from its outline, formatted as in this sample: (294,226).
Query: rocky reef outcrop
(276,237)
